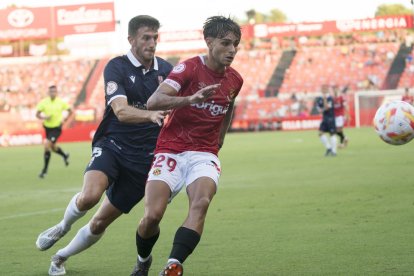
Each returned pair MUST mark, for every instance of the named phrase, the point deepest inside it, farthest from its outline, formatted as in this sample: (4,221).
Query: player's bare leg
(157,194)
(200,194)
(95,183)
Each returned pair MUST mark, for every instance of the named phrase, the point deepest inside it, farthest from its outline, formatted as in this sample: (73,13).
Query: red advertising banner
(195,35)
(375,24)
(78,133)
(79,19)
(43,23)
(174,36)
(25,23)
(338,26)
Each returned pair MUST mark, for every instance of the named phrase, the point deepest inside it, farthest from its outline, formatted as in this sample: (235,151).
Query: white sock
(173,261)
(72,214)
(333,143)
(325,141)
(83,240)
(143,260)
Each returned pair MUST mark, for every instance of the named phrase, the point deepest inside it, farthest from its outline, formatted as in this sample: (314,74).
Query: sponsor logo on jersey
(111,87)
(156,172)
(132,78)
(179,68)
(215,109)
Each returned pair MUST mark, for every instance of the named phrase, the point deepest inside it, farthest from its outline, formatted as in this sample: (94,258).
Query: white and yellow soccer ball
(394,122)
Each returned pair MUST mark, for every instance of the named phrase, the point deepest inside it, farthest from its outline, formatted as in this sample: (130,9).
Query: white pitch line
(32,213)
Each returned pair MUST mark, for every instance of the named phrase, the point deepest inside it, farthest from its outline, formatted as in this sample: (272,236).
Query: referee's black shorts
(53,133)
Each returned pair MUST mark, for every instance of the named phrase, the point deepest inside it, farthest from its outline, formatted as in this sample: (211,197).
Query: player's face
(223,50)
(52,92)
(143,44)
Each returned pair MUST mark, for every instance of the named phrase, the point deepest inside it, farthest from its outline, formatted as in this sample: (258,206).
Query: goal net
(367,102)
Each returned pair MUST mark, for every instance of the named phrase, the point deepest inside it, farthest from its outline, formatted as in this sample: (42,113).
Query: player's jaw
(145,55)
(228,59)
(148,53)
(225,58)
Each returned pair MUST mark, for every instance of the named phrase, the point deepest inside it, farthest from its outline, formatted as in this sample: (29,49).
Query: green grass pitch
(282,208)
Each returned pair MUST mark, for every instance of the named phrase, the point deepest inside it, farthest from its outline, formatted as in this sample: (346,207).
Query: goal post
(367,102)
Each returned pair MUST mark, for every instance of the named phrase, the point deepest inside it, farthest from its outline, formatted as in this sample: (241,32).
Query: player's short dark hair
(142,21)
(220,26)
(52,87)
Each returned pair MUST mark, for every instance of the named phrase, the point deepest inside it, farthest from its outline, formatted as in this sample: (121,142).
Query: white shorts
(339,121)
(184,168)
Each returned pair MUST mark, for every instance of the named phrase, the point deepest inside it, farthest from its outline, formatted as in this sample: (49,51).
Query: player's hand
(158,116)
(204,93)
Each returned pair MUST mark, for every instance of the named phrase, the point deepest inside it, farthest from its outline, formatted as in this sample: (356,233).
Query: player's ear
(209,42)
(130,39)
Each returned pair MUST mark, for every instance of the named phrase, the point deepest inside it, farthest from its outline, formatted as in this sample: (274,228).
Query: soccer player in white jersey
(200,93)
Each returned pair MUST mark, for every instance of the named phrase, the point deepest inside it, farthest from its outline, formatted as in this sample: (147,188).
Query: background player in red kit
(407,97)
(200,92)
(341,114)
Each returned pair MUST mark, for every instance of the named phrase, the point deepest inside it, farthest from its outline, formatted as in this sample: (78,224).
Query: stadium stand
(282,76)
(407,77)
(256,67)
(361,66)
(24,84)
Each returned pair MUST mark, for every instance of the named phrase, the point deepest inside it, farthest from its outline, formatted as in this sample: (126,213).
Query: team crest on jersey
(111,87)
(156,172)
(179,68)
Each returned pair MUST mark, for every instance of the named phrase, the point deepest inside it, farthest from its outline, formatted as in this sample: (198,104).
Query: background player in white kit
(200,92)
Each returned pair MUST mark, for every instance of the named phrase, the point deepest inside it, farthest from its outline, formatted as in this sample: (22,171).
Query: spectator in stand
(407,97)
(294,105)
(341,114)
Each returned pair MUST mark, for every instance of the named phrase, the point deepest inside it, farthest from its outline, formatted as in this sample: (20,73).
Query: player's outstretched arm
(165,97)
(130,114)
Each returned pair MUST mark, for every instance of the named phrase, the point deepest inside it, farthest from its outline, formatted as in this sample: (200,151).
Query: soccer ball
(394,122)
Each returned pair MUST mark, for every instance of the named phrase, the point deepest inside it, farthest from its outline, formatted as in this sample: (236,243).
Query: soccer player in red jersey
(341,114)
(200,93)
(407,97)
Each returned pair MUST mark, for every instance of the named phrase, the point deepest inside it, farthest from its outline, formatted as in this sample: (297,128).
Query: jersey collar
(136,63)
